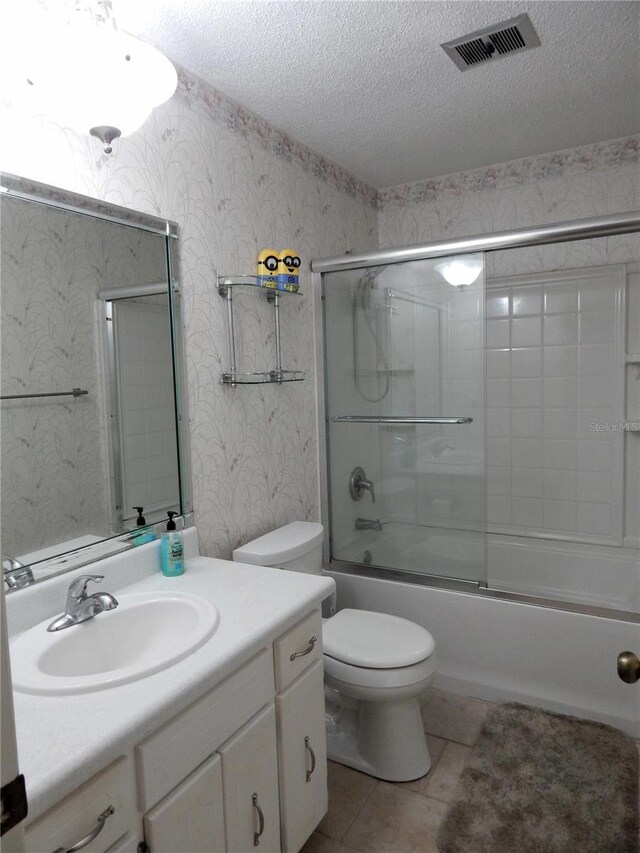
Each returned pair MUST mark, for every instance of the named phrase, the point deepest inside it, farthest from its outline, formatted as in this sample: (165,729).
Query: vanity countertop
(64,740)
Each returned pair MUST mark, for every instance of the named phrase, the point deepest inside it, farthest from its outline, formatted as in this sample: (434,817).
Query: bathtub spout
(368,524)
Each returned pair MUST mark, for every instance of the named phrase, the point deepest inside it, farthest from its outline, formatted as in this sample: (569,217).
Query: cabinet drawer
(297,649)
(172,752)
(77,815)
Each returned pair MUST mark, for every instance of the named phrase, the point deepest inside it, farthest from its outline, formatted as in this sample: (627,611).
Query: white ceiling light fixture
(89,75)
(460,270)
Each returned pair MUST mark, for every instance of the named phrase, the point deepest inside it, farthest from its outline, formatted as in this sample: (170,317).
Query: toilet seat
(360,676)
(377,641)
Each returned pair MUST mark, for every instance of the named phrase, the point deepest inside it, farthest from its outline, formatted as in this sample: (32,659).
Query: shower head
(362,304)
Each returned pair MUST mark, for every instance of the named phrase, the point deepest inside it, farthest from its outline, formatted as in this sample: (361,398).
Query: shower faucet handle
(359,484)
(368,486)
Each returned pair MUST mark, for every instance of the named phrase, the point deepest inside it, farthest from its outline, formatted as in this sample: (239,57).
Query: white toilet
(376,666)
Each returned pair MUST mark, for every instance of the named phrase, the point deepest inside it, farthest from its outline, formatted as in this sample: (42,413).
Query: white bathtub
(508,651)
(586,574)
(412,548)
(599,576)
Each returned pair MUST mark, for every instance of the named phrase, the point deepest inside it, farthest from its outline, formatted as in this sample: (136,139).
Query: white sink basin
(146,633)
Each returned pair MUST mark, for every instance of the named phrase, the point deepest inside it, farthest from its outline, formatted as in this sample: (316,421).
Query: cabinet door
(302,757)
(191,817)
(250,780)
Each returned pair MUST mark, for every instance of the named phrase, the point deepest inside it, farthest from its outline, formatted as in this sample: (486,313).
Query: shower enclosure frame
(571,230)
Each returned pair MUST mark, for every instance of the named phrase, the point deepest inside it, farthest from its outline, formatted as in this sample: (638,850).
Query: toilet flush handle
(306,651)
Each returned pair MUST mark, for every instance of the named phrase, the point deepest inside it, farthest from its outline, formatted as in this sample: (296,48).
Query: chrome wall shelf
(262,378)
(234,377)
(225,281)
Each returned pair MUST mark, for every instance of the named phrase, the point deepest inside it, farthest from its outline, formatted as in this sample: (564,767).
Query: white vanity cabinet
(229,803)
(302,755)
(99,813)
(191,817)
(302,758)
(241,768)
(250,777)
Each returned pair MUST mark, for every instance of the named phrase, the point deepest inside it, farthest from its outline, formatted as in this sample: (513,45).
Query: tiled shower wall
(351,445)
(556,340)
(555,372)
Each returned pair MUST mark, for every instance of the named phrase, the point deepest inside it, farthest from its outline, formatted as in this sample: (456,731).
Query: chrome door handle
(307,745)
(256,835)
(95,832)
(306,651)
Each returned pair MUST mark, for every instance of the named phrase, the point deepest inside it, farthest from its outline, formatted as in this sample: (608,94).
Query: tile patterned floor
(370,816)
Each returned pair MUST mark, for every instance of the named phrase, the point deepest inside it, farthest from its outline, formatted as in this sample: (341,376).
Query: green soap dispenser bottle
(172,549)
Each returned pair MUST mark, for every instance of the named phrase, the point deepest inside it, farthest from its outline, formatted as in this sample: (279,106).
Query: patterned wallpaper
(54,486)
(233,190)
(514,173)
(55,473)
(573,184)
(234,184)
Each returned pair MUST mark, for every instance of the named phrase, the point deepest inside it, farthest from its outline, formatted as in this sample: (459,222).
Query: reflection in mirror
(143,423)
(88,422)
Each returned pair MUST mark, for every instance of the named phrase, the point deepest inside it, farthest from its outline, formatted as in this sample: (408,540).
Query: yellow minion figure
(268,268)
(288,267)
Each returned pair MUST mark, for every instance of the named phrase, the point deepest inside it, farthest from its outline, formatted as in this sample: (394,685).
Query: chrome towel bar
(396,419)
(75,392)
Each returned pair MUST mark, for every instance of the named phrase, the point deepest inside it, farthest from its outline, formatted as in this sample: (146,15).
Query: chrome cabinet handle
(95,832)
(256,835)
(307,745)
(306,651)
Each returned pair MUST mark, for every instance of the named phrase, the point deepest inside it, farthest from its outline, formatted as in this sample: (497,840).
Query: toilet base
(383,739)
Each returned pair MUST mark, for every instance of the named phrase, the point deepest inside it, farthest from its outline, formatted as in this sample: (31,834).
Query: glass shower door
(404,373)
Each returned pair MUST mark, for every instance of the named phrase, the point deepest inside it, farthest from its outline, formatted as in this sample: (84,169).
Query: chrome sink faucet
(16,574)
(81,606)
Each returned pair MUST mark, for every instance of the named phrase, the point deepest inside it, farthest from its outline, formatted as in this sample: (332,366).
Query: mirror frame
(38,193)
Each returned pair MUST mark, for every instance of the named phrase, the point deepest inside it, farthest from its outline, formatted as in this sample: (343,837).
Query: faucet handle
(78,587)
(358,485)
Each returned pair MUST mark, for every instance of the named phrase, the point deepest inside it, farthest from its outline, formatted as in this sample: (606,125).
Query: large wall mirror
(92,423)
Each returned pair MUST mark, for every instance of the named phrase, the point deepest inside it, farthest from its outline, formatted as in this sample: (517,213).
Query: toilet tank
(296,547)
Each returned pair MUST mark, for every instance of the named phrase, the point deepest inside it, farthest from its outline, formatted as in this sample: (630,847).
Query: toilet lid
(375,640)
(281,545)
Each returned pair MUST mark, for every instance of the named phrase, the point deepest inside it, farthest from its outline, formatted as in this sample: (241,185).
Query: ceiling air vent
(512,36)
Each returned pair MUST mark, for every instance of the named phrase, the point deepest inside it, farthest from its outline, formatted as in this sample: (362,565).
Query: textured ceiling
(367,85)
